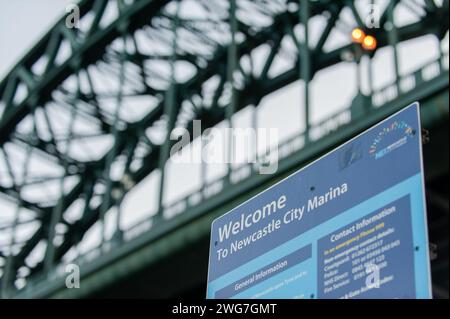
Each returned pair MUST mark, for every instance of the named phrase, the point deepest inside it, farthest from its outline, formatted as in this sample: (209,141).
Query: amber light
(369,43)
(358,35)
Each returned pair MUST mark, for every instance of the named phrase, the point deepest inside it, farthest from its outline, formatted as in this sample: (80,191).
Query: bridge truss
(80,111)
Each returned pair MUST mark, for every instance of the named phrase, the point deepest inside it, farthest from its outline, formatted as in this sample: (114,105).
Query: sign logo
(391,138)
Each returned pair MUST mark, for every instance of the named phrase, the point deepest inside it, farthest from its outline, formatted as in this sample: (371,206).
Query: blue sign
(352,224)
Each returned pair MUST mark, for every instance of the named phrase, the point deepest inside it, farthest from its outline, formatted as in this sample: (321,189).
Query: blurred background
(90,91)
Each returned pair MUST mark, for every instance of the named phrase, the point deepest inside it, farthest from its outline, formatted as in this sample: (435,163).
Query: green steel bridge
(77,85)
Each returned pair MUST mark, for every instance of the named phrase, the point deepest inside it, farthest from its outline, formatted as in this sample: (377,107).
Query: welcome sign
(352,224)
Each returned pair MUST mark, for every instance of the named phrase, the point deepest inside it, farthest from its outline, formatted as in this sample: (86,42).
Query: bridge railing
(409,82)
(319,130)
